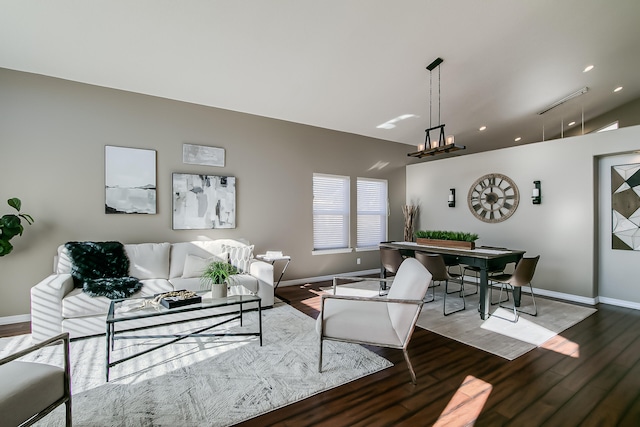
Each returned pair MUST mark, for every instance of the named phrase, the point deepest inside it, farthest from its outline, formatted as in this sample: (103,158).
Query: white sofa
(57,306)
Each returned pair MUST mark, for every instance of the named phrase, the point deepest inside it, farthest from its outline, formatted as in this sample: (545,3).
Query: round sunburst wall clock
(493,198)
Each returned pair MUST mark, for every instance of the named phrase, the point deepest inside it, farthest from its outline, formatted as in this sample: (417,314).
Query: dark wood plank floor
(588,376)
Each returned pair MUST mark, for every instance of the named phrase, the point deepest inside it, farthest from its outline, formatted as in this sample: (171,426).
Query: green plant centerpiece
(449,239)
(11,226)
(216,275)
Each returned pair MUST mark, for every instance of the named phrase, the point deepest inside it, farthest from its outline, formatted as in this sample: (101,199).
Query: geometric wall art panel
(625,207)
(130,180)
(203,202)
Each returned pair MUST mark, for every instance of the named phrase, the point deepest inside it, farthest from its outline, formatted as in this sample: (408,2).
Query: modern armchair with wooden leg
(30,390)
(380,321)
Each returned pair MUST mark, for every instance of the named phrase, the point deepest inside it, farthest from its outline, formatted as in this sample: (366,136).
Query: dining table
(485,258)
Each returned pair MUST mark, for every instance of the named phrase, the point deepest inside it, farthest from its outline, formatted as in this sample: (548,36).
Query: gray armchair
(29,390)
(384,322)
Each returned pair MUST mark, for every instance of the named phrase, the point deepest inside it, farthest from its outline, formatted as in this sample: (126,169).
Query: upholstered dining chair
(31,390)
(380,321)
(438,269)
(522,276)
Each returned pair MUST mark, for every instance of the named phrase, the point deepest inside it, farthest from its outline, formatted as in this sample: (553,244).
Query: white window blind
(372,212)
(330,212)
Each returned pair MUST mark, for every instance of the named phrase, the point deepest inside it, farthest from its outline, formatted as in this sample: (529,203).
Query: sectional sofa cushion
(195,265)
(149,260)
(240,256)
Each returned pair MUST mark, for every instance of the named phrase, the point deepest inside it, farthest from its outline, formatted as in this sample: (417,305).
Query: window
(611,126)
(330,212)
(372,212)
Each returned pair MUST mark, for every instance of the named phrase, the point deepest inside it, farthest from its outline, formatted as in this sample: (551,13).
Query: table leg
(517,294)
(485,302)
(108,338)
(260,320)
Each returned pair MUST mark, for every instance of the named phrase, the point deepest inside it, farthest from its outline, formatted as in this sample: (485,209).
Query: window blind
(372,212)
(330,212)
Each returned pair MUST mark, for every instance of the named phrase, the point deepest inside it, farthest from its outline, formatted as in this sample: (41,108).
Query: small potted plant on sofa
(216,275)
(11,226)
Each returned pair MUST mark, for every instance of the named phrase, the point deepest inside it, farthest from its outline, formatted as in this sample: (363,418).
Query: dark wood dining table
(483,257)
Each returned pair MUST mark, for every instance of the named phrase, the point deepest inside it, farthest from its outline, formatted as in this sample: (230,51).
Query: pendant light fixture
(445,144)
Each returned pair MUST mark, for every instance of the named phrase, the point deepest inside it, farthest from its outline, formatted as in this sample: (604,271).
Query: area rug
(204,381)
(495,335)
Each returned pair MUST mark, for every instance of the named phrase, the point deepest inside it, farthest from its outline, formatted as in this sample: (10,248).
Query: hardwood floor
(589,376)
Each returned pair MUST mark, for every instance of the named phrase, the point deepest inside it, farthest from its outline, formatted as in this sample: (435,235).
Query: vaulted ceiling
(347,65)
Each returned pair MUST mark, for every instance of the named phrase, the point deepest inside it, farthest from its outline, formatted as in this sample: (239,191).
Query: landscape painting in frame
(130,180)
(625,207)
(202,155)
(203,202)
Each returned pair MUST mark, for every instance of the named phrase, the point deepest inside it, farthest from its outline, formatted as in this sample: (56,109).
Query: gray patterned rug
(205,381)
(494,335)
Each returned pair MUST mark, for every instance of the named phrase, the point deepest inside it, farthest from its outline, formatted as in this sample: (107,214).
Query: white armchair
(384,322)
(31,390)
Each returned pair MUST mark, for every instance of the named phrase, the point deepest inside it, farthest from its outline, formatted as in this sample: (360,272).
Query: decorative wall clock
(493,198)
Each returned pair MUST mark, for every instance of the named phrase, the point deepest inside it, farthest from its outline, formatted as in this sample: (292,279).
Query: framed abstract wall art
(625,207)
(203,202)
(202,155)
(130,180)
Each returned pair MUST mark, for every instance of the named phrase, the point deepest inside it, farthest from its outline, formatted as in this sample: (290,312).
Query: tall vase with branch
(410,212)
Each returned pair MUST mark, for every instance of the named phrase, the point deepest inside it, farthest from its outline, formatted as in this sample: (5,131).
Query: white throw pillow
(195,265)
(240,256)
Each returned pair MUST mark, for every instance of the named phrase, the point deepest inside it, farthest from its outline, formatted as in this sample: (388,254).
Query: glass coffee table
(135,309)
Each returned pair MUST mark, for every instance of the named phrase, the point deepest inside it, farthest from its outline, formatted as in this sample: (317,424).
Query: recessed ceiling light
(589,68)
(572,123)
(482,128)
(517,139)
(618,89)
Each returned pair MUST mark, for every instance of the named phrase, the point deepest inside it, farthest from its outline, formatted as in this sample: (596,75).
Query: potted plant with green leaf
(216,275)
(11,226)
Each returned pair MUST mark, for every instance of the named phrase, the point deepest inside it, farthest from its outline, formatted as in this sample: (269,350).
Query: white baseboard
(20,318)
(619,303)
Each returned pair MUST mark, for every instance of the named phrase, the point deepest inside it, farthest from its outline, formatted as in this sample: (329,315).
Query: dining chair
(380,321)
(30,390)
(391,259)
(438,269)
(522,276)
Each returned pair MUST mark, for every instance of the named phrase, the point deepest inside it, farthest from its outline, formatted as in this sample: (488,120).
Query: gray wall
(52,138)
(563,229)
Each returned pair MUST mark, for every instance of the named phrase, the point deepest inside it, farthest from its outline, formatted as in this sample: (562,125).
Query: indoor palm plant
(216,275)
(11,226)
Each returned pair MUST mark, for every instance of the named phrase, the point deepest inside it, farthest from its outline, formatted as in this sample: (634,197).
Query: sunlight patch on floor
(466,404)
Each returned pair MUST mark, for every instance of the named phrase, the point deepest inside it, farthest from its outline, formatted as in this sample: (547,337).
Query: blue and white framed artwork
(203,202)
(130,180)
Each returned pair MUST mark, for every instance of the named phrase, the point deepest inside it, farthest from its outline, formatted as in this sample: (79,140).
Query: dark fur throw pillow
(102,269)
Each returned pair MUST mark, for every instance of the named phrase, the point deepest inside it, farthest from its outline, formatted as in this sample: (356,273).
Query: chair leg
(68,421)
(320,357)
(411,371)
(444,305)
(515,312)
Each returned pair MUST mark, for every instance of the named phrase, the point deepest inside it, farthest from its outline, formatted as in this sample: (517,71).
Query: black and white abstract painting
(202,155)
(203,202)
(130,180)
(625,206)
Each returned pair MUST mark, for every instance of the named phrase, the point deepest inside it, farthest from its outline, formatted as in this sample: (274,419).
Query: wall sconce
(536,196)
(452,198)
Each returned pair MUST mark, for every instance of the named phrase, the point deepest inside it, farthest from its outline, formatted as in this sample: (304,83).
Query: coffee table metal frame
(206,304)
